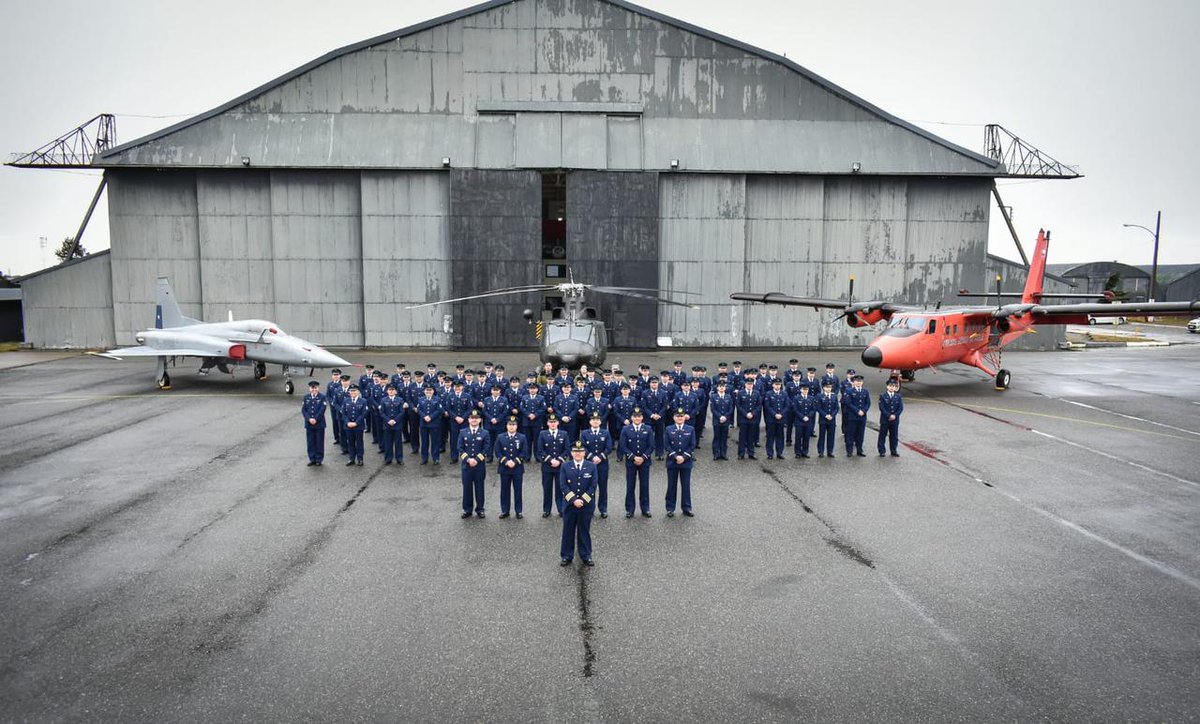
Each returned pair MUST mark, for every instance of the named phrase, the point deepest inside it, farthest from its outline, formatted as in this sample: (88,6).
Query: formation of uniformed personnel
(511,450)
(680,452)
(891,404)
(474,449)
(577,481)
(312,409)
(552,446)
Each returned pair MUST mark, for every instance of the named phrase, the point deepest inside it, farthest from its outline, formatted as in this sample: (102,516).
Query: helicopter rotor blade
(607,289)
(649,297)
(493,293)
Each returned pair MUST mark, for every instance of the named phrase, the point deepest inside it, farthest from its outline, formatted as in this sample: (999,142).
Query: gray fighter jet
(222,344)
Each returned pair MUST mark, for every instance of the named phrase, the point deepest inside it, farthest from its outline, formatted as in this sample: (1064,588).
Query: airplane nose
(872,356)
(325,358)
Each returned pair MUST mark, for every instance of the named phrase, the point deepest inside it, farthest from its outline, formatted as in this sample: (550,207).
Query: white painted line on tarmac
(1129,417)
(1112,457)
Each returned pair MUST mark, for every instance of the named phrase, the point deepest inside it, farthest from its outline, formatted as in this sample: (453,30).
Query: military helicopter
(574,335)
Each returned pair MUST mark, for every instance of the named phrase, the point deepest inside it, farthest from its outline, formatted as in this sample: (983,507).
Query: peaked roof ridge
(492,4)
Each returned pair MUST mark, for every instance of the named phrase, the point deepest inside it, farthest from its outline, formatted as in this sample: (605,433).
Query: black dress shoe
(629,515)
(520,516)
(424,462)
(564,562)
(546,515)
(466,515)
(588,562)
(861,454)
(481,514)
(895,455)
(311,463)
(647,515)
(387,462)
(503,516)
(604,515)
(359,463)
(882,455)
(670,514)
(349,463)
(319,464)
(689,514)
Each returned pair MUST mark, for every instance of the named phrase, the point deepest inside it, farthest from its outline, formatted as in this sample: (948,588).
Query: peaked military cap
(314,383)
(474,414)
(595,416)
(512,421)
(577,447)
(369,366)
(812,369)
(637,412)
(335,371)
(793,361)
(390,387)
(679,411)
(851,372)
(856,378)
(776,381)
(625,386)
(354,387)
(345,378)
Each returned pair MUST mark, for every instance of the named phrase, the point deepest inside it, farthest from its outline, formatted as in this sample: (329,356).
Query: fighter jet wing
(1117,309)
(143,351)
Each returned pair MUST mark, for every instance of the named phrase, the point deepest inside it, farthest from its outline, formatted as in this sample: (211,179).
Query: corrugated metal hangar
(499,145)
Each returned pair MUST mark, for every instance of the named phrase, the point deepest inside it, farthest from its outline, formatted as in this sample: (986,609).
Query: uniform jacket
(622,407)
(510,447)
(354,411)
(722,406)
(597,443)
(804,406)
(566,408)
(680,440)
(775,403)
(459,406)
(890,404)
(497,408)
(654,402)
(578,481)
(430,407)
(532,405)
(747,403)
(392,408)
(600,407)
(475,443)
(637,442)
(550,447)
(827,406)
(313,407)
(856,401)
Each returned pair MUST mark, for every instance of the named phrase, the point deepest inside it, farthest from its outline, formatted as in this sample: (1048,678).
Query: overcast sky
(1110,87)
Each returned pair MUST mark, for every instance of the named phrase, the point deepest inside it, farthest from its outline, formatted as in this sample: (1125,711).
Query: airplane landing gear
(260,370)
(1003,377)
(908,375)
(288,387)
(164,381)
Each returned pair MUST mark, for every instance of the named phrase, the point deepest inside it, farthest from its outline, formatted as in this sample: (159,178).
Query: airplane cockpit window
(904,326)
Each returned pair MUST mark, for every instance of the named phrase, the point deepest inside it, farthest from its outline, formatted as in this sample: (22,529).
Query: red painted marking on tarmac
(927,450)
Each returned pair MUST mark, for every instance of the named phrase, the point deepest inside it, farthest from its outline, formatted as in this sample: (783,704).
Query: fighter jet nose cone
(872,356)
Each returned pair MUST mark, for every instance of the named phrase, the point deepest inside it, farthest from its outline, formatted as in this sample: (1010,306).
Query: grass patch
(9,346)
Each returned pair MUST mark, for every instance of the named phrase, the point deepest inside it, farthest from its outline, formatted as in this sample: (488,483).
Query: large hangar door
(612,239)
(495,242)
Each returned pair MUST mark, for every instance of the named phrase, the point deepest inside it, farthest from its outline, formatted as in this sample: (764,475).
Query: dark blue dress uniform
(749,409)
(856,403)
(827,412)
(496,411)
(313,408)
(891,404)
(551,446)
(512,448)
(655,403)
(721,406)
(637,440)
(414,394)
(354,411)
(429,412)
(458,405)
(598,443)
(474,444)
(333,399)
(775,409)
(601,407)
(532,409)
(804,415)
(622,408)
(566,409)
(681,443)
(374,397)
(577,481)
(392,419)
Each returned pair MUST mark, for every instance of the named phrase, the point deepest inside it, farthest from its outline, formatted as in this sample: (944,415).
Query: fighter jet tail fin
(166,313)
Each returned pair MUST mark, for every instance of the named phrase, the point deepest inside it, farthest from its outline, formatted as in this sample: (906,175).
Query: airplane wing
(1117,309)
(780,298)
(119,354)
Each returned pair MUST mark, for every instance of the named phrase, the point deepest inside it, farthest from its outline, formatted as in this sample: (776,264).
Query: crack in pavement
(835,539)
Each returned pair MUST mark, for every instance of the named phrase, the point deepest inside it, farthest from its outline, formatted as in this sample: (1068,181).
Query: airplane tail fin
(166,313)
(1037,270)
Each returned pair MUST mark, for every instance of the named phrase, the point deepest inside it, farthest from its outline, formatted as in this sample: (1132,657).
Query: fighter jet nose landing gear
(260,370)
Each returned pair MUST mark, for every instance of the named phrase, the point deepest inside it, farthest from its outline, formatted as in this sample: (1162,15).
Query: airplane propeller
(571,289)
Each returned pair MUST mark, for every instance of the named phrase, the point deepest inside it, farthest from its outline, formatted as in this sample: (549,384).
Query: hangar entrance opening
(554,235)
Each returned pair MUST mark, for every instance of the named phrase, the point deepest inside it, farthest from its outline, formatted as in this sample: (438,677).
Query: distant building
(1183,289)
(1093,278)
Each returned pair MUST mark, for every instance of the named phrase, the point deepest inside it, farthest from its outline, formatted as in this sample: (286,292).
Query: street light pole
(1154,263)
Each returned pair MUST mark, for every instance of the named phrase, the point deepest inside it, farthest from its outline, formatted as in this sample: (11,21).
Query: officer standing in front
(891,404)
(474,447)
(681,449)
(637,442)
(511,451)
(577,486)
(313,412)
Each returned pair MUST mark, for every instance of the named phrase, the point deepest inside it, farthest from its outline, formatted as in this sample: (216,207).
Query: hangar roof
(977,164)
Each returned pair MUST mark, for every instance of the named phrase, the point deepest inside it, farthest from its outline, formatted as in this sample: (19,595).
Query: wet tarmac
(1033,554)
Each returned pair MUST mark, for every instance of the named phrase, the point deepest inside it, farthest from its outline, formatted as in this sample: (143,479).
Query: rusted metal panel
(406,257)
(317,262)
(152,226)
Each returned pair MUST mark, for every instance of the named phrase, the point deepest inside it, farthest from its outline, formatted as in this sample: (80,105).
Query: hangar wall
(70,305)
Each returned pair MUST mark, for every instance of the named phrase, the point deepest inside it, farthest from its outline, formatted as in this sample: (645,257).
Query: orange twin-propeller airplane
(916,337)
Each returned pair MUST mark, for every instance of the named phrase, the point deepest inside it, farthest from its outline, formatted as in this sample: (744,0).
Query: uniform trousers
(825,440)
(550,489)
(637,476)
(889,430)
(679,477)
(510,488)
(393,441)
(720,443)
(315,435)
(472,486)
(577,528)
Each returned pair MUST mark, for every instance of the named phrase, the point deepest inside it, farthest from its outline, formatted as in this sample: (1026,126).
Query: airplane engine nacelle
(852,320)
(864,319)
(1003,325)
